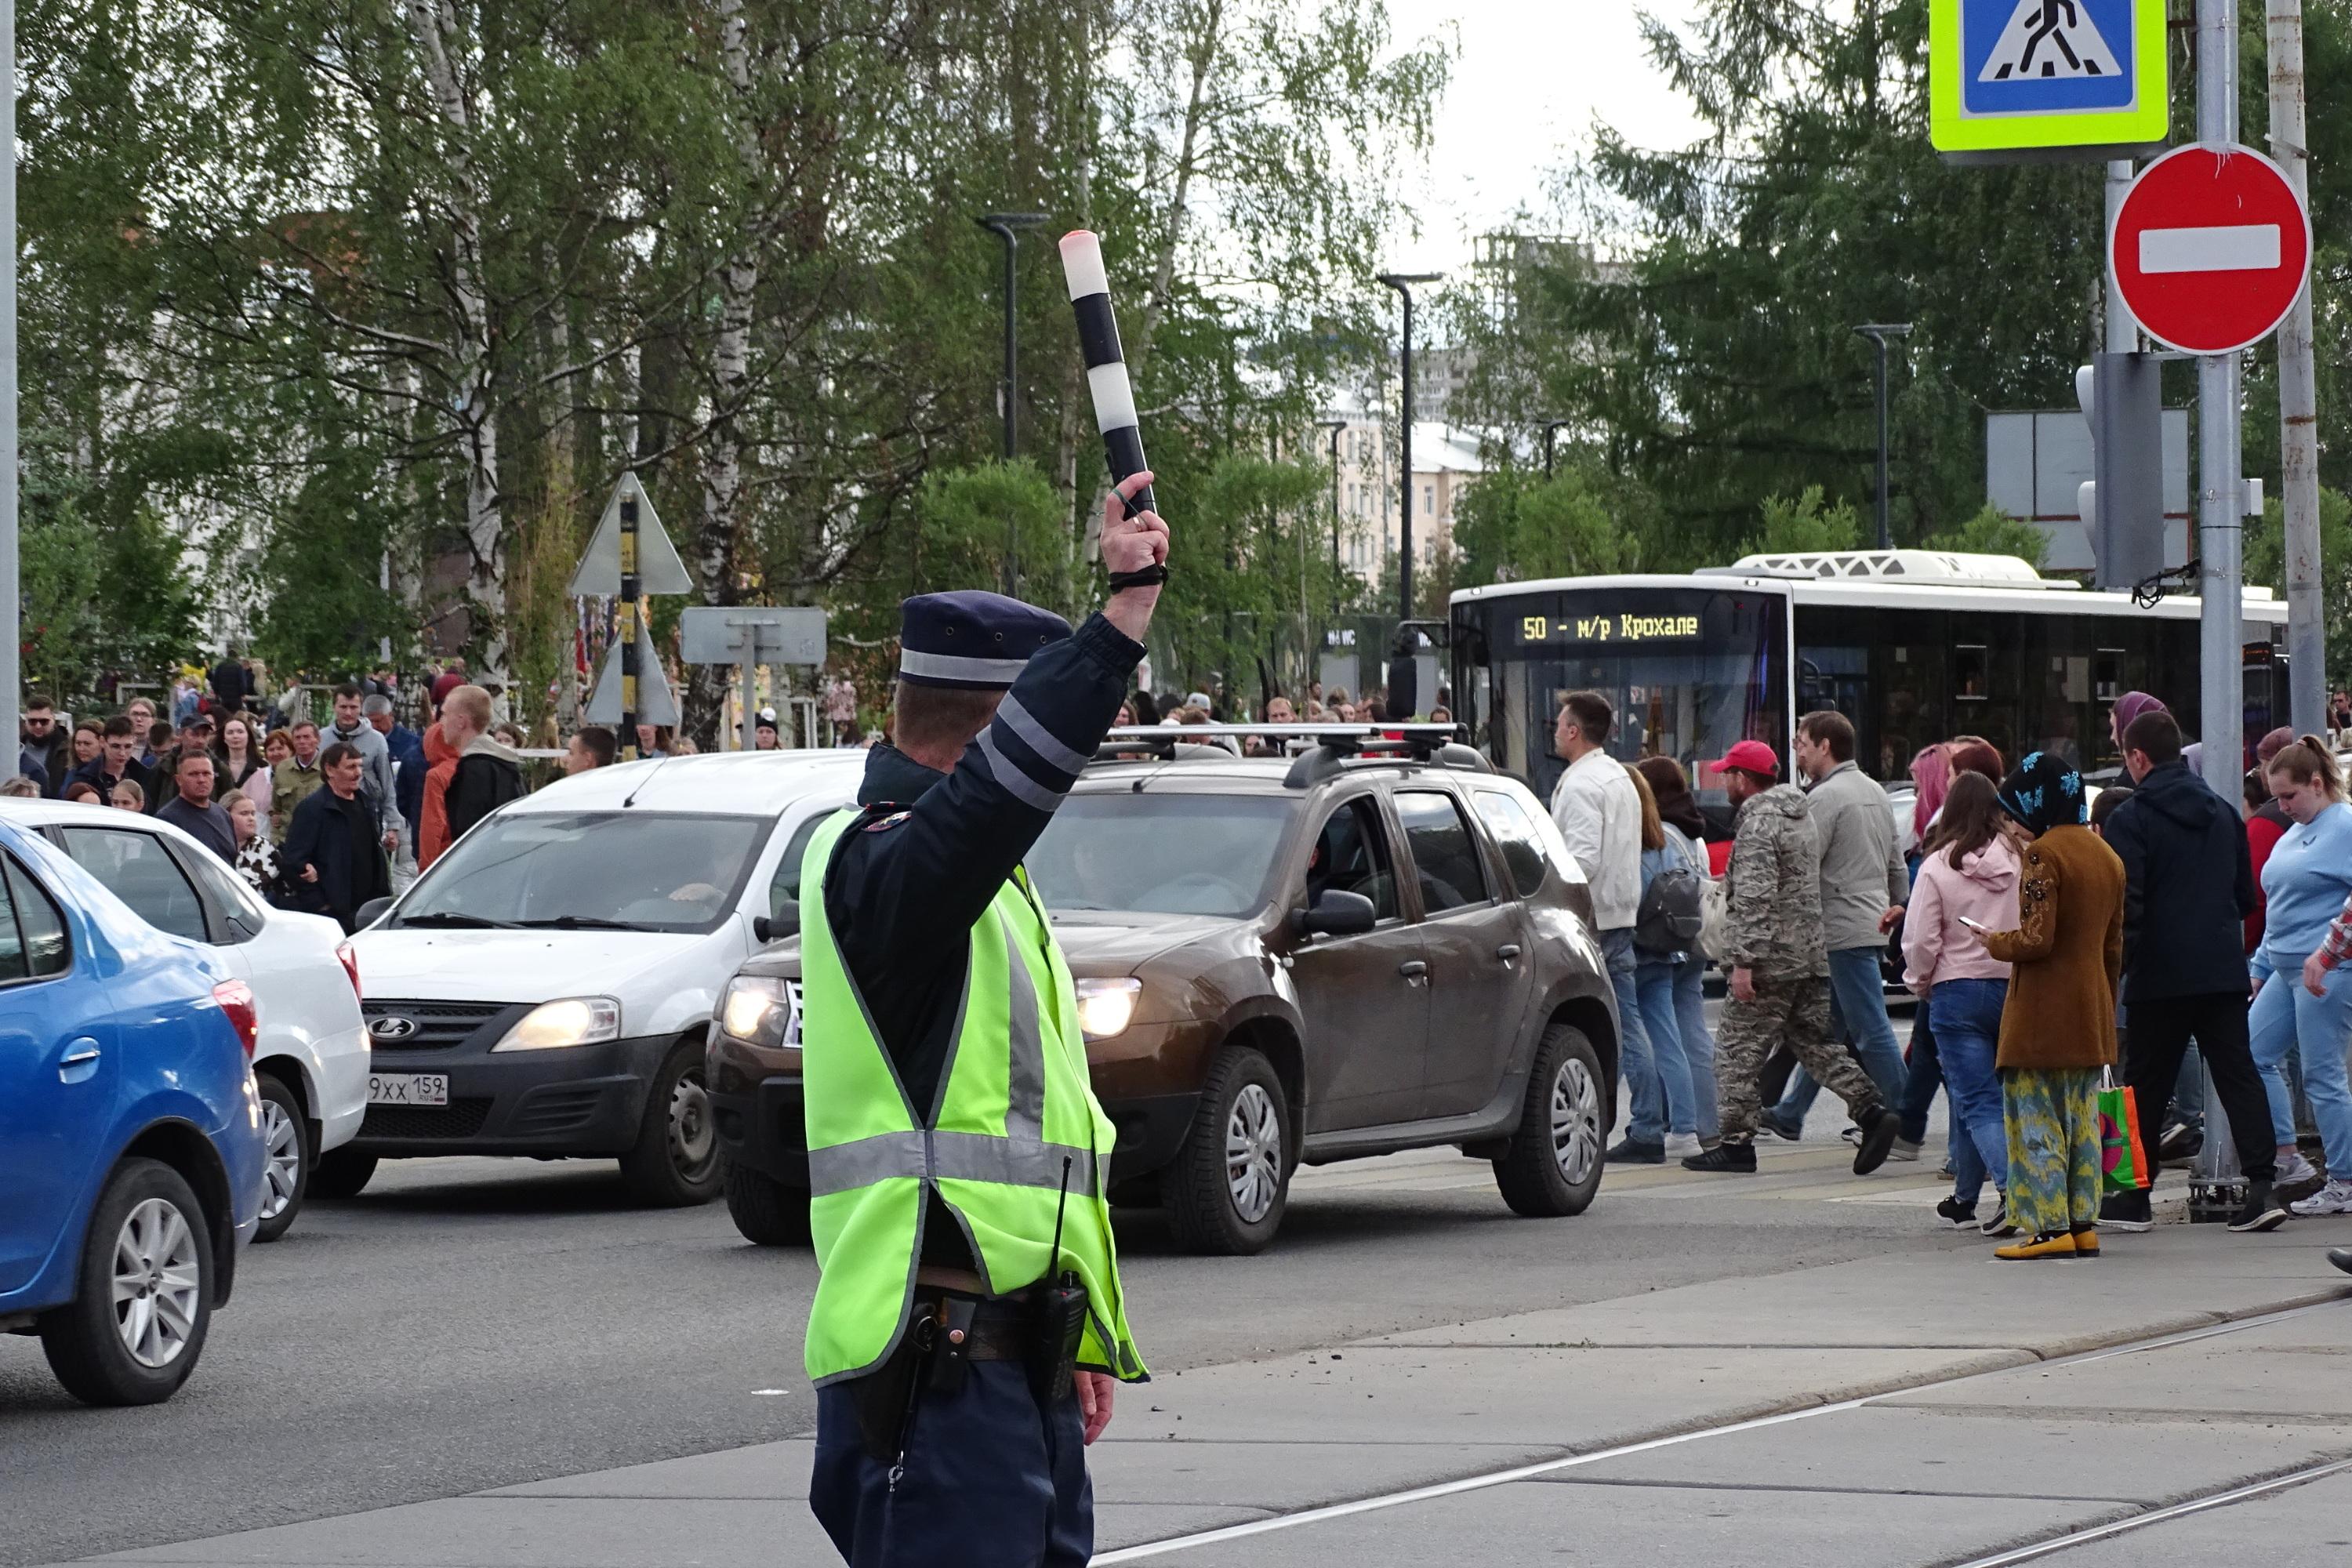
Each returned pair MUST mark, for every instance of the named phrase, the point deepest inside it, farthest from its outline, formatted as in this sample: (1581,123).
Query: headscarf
(1931,776)
(2132,704)
(2045,792)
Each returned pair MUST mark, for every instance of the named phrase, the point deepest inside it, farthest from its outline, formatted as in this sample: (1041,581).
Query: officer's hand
(1094,1400)
(1131,543)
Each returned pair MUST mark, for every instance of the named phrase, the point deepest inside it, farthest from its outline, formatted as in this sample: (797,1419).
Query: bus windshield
(1689,671)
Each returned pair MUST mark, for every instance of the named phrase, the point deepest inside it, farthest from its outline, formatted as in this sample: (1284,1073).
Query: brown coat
(2068,951)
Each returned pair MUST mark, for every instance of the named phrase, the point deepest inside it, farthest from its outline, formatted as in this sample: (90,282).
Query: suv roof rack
(1319,749)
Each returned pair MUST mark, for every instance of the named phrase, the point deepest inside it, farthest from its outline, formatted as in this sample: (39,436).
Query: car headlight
(570,1021)
(1106,1007)
(761,1011)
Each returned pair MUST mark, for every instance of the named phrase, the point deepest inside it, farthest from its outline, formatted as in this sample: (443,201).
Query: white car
(546,987)
(310,1062)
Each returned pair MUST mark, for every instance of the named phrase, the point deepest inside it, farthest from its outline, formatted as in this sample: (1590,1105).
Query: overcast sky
(1529,83)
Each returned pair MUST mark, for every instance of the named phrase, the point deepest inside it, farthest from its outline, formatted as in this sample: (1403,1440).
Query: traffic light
(2123,505)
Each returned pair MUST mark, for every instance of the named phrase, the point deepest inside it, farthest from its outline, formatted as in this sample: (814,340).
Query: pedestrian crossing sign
(2022,80)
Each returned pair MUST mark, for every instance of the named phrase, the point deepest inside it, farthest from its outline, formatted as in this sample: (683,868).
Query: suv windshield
(627,869)
(1158,854)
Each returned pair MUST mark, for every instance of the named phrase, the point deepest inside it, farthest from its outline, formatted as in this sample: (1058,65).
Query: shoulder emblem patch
(892,820)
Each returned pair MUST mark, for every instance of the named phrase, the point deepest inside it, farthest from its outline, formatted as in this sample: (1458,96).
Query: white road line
(2235,248)
(2157,1516)
(1551,1467)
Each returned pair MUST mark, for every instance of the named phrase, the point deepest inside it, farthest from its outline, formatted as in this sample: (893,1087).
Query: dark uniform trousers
(988,1480)
(1790,1012)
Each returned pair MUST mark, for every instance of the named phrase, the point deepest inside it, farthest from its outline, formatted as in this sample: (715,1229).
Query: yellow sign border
(2144,125)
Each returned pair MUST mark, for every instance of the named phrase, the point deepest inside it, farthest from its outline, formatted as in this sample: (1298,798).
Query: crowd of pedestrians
(2057,949)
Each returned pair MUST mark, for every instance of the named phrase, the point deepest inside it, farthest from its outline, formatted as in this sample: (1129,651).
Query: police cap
(971,638)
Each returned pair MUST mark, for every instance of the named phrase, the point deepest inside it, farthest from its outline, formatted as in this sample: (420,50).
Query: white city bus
(1914,646)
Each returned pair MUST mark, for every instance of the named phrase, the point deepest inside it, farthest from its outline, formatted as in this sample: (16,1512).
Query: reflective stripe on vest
(1012,1120)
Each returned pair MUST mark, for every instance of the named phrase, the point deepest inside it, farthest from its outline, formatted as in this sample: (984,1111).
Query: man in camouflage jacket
(1779,968)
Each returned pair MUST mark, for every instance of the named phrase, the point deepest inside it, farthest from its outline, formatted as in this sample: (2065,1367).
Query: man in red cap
(1779,984)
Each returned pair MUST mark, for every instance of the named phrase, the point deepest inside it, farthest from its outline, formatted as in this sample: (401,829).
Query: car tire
(1227,1188)
(149,1240)
(340,1174)
(1553,1169)
(767,1211)
(288,1150)
(676,1163)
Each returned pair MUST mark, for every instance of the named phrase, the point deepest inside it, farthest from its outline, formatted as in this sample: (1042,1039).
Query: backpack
(1669,918)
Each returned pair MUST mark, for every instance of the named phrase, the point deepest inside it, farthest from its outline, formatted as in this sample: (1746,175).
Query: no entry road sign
(2211,247)
(2039,78)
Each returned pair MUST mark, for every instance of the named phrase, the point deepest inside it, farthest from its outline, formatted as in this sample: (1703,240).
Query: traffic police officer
(957,1156)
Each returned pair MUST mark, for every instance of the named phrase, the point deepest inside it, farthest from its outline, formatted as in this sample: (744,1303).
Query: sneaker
(2294,1168)
(2181,1141)
(1725,1157)
(1881,1128)
(1998,1223)
(1630,1152)
(1853,1135)
(1905,1149)
(1779,1128)
(2049,1243)
(2126,1212)
(2336,1198)
(2263,1210)
(1946,1171)
(1682,1145)
(1962,1215)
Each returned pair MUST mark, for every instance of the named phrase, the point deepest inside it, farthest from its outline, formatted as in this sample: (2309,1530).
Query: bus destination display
(1608,627)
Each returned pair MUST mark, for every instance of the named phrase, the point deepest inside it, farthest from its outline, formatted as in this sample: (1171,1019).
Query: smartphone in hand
(1977,926)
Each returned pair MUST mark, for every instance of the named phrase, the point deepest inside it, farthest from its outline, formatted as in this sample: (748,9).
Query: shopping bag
(2123,1163)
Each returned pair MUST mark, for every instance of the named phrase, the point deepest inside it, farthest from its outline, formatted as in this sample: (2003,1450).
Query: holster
(886,1396)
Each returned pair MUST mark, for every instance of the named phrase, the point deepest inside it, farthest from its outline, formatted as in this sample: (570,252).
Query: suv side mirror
(1338,913)
(370,912)
(778,926)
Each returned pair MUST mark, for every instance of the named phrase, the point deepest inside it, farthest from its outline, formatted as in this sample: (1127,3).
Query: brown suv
(1346,953)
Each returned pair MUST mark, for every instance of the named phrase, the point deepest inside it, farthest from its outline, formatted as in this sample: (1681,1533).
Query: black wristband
(1150,576)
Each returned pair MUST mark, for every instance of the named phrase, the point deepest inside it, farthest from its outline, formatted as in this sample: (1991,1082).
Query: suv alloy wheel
(1226,1189)
(1553,1168)
(143,1297)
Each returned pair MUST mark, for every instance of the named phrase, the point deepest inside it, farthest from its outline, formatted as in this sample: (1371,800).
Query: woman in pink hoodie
(1968,874)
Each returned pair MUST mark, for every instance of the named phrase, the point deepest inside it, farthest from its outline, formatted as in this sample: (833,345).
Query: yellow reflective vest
(1016,1116)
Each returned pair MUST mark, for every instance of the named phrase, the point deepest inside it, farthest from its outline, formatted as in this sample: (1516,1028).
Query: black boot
(1879,1128)
(2263,1210)
(2126,1211)
(1725,1157)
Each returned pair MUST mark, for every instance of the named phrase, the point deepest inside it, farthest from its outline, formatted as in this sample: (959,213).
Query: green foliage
(1993,531)
(1252,577)
(1805,525)
(322,607)
(972,519)
(61,569)
(2266,563)
(1514,525)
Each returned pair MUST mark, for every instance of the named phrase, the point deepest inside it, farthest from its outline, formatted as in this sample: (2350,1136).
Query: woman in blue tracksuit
(2305,882)
(1669,983)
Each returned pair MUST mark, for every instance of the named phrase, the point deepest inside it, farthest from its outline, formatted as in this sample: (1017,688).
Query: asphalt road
(471,1324)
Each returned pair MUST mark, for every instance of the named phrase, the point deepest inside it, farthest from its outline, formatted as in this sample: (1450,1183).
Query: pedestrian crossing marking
(2049,40)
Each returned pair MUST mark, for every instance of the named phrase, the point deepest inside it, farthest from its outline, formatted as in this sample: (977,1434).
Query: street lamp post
(1007,226)
(1549,427)
(10,677)
(1334,428)
(1878,333)
(1402,283)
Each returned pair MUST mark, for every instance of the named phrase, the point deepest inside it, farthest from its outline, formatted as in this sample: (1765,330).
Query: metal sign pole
(11,678)
(630,609)
(2216,1185)
(749,636)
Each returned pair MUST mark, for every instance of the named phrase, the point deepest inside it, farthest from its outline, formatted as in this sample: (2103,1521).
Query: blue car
(132,1154)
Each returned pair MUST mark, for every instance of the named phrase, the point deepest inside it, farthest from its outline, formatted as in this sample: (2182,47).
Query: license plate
(408,1088)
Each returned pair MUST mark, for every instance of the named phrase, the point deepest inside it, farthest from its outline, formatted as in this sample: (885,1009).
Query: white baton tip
(1082,264)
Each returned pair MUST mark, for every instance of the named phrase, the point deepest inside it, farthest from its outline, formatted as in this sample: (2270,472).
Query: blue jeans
(1858,1003)
(1645,1094)
(1965,1016)
(2286,1018)
(1923,1074)
(1653,979)
(1698,1045)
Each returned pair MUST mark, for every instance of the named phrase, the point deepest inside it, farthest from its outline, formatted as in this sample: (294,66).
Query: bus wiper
(581,923)
(451,918)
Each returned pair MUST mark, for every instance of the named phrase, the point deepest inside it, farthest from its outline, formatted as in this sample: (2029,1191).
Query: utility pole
(2220,468)
(1334,429)
(2122,332)
(11,598)
(1007,226)
(1402,283)
(1878,333)
(2306,624)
